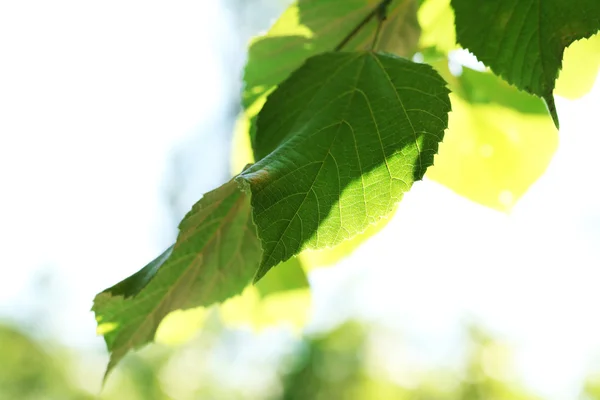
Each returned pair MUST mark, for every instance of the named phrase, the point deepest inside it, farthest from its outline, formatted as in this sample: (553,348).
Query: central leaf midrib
(269,257)
(297,118)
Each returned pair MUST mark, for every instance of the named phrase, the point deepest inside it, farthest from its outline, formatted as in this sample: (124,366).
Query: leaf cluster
(347,104)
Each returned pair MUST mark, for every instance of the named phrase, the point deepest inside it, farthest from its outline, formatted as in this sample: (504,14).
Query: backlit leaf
(289,308)
(436,18)
(215,257)
(492,154)
(312,259)
(523,40)
(290,276)
(581,63)
(499,139)
(310,27)
(339,143)
(485,88)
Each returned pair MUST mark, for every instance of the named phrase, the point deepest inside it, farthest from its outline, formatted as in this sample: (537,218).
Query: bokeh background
(115,117)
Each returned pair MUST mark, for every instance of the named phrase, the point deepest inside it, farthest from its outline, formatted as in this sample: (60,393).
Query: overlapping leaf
(478,87)
(581,63)
(523,40)
(215,256)
(310,27)
(290,308)
(492,153)
(340,142)
(344,137)
(290,276)
(499,139)
(307,28)
(281,298)
(241,156)
(192,274)
(318,258)
(436,18)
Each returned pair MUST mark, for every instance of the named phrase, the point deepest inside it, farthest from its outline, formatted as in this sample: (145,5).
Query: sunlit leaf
(523,40)
(499,140)
(485,88)
(436,18)
(312,259)
(359,129)
(289,308)
(310,27)
(215,256)
(306,28)
(180,326)
(581,63)
(337,138)
(492,154)
(289,276)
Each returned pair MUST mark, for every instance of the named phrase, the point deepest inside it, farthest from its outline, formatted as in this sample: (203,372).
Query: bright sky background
(98,98)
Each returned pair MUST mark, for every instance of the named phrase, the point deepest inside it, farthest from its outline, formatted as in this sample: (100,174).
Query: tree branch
(379,11)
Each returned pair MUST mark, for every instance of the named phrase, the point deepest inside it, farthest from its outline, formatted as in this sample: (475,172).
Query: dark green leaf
(215,256)
(523,40)
(342,139)
(135,283)
(310,27)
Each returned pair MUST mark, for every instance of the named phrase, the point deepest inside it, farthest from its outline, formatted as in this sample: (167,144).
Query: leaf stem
(381,16)
(379,11)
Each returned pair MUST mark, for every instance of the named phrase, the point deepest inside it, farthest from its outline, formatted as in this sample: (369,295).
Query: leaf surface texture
(215,256)
(523,40)
(339,143)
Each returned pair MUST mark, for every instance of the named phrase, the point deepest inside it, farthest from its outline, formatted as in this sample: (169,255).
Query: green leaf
(290,276)
(339,143)
(400,31)
(485,88)
(436,18)
(313,259)
(309,260)
(492,154)
(523,40)
(290,308)
(215,256)
(499,139)
(310,27)
(581,63)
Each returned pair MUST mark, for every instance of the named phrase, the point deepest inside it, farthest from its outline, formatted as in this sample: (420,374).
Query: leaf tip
(549,101)
(109,368)
(260,273)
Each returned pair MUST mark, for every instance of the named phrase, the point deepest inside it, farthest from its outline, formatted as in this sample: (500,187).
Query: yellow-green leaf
(492,154)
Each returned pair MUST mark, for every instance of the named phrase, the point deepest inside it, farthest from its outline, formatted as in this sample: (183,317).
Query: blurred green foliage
(32,370)
(333,366)
(41,370)
(349,362)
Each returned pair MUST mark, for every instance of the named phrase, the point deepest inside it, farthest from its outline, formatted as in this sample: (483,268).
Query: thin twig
(379,11)
(381,16)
